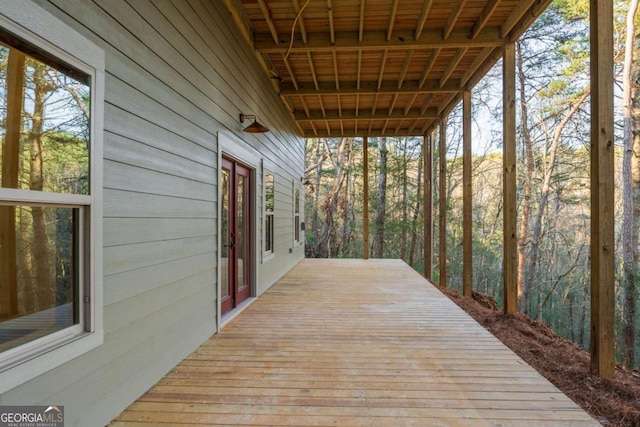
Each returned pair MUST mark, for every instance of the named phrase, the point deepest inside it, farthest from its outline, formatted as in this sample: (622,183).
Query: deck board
(353,343)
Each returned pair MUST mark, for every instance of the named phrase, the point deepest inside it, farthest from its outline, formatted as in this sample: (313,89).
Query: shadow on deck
(354,343)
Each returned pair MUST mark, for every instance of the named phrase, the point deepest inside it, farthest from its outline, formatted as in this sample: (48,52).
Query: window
(296,213)
(269,204)
(50,193)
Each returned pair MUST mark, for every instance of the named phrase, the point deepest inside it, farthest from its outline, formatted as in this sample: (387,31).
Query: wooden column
(467,236)
(602,190)
(365,201)
(510,258)
(442,198)
(427,252)
(10,163)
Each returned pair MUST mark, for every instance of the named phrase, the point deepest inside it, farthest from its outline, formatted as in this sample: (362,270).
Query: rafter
(477,62)
(303,30)
(429,66)
(527,19)
(335,70)
(393,103)
(515,16)
(452,65)
(482,20)
(453,18)
(424,112)
(407,108)
(290,70)
(425,106)
(405,67)
(426,6)
(313,71)
(392,19)
(269,19)
(332,31)
(359,69)
(361,27)
(376,40)
(382,65)
(371,88)
(304,105)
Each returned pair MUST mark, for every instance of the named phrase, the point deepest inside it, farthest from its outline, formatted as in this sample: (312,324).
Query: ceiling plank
(426,6)
(424,112)
(515,16)
(392,19)
(452,65)
(371,88)
(453,18)
(269,19)
(483,18)
(332,31)
(376,40)
(429,66)
(405,67)
(303,30)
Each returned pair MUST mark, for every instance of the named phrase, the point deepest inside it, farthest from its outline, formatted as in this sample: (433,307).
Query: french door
(235,234)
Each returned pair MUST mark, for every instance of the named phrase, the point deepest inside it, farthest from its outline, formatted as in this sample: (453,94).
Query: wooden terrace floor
(353,343)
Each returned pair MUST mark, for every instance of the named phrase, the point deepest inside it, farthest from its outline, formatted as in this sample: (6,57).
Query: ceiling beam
(452,65)
(376,40)
(392,19)
(483,18)
(515,16)
(269,19)
(332,32)
(453,18)
(335,115)
(426,6)
(477,62)
(352,133)
(371,88)
(303,30)
(527,19)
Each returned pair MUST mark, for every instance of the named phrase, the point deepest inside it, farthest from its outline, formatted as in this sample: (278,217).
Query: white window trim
(268,255)
(40,28)
(295,186)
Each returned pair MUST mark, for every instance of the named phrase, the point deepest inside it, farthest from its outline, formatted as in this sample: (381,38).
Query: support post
(10,164)
(442,199)
(427,251)
(467,237)
(365,202)
(510,257)
(602,190)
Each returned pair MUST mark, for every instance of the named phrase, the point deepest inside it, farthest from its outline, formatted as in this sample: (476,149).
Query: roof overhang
(378,67)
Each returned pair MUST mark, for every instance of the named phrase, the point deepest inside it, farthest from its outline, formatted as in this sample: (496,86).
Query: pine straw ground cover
(613,402)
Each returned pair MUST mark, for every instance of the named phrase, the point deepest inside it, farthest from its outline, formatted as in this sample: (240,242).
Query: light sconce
(254,127)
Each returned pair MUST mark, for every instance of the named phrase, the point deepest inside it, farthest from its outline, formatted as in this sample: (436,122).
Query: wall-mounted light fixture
(254,127)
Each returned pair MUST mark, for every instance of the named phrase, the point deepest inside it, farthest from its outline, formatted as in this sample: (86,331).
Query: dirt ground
(613,402)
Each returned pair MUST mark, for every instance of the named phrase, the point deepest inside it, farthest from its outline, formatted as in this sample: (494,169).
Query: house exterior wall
(178,74)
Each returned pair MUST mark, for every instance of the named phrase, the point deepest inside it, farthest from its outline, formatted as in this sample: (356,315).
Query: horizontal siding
(177,73)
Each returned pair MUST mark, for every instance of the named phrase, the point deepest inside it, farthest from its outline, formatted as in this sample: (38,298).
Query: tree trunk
(524,287)
(345,206)
(314,221)
(328,235)
(43,277)
(378,238)
(630,193)
(415,229)
(546,187)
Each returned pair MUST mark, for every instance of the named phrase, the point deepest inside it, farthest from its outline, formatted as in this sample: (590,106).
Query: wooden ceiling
(378,67)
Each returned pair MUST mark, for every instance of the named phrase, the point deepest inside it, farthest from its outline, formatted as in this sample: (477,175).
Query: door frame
(234,148)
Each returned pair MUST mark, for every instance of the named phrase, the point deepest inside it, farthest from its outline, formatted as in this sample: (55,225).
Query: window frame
(36,26)
(297,240)
(268,254)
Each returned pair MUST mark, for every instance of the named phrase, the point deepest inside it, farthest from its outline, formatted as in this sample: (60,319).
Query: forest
(553,125)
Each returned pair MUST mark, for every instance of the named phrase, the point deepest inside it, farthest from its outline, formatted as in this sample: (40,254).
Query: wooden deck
(353,343)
